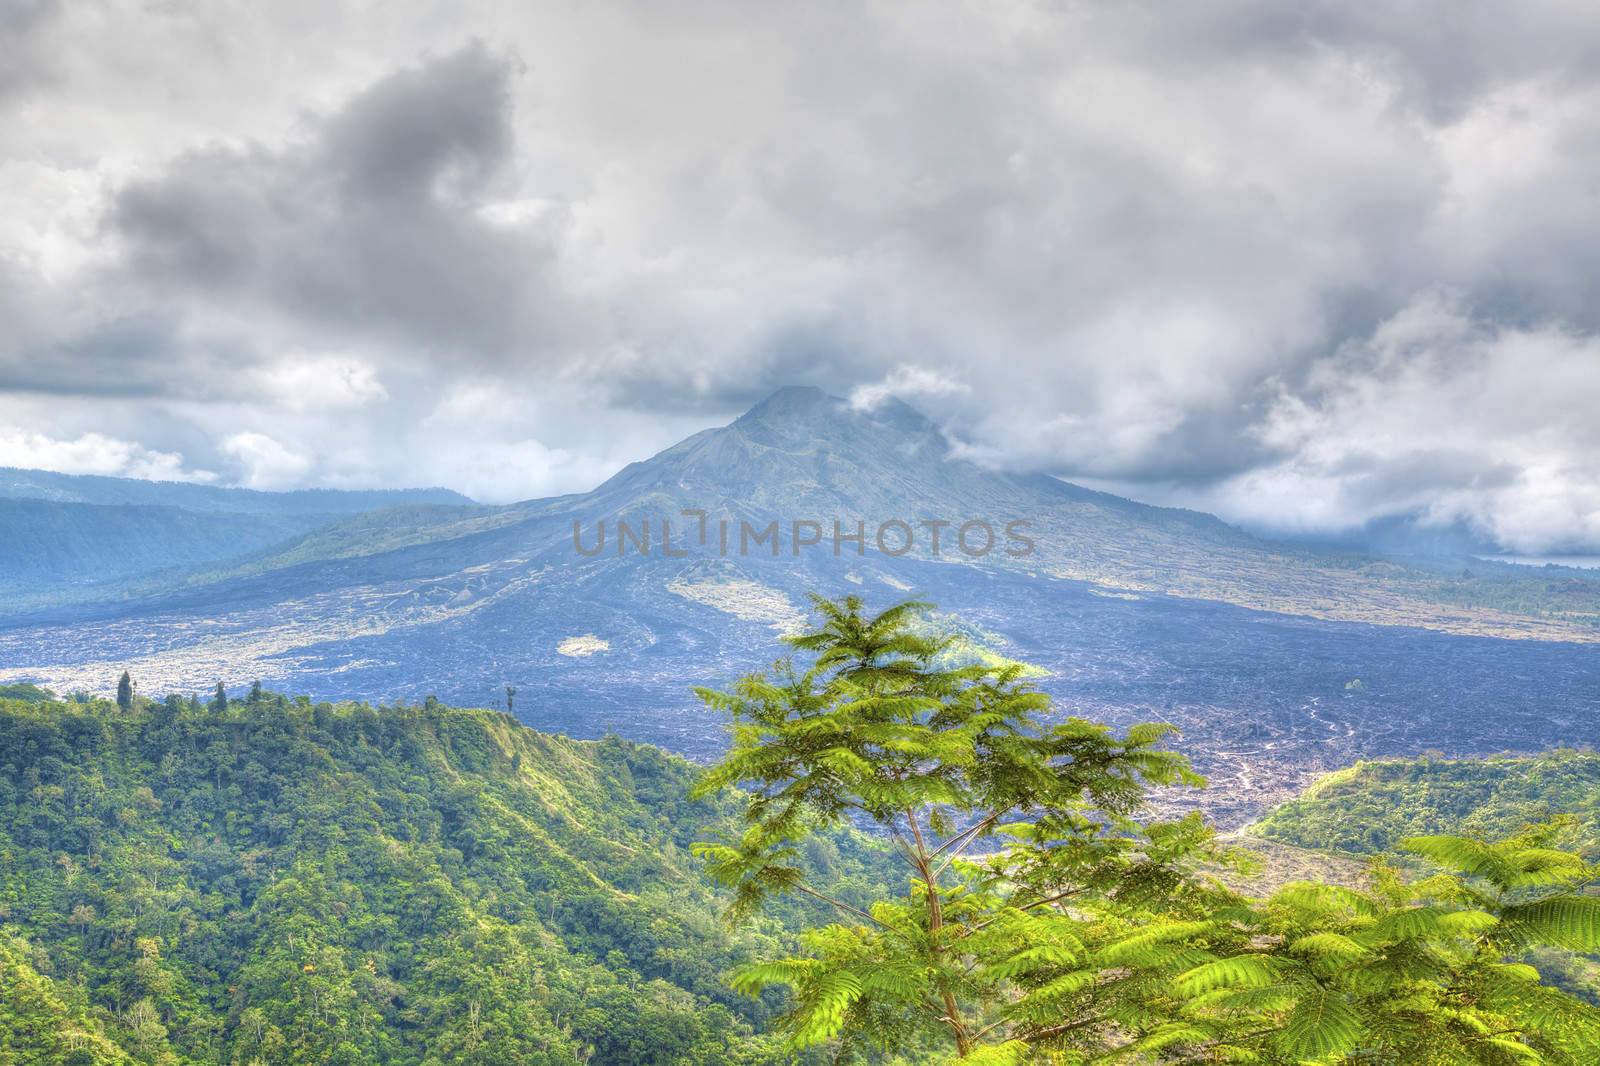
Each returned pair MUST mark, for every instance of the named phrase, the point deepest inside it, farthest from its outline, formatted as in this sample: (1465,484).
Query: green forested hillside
(1370,806)
(279,882)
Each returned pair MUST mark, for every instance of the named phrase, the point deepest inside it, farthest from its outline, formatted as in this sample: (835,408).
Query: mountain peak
(792,400)
(797,416)
(809,404)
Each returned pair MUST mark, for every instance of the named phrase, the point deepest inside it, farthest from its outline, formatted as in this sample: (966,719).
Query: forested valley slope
(277,881)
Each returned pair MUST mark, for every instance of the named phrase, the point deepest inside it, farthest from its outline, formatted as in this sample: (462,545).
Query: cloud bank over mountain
(1303,268)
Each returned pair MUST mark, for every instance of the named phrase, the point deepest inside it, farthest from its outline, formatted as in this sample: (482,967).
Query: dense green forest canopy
(284,882)
(1371,806)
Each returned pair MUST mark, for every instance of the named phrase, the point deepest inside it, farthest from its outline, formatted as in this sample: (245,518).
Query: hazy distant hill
(317,503)
(44,544)
(1408,536)
(59,532)
(1134,611)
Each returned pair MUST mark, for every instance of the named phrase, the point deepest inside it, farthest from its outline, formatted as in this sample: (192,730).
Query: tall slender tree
(943,758)
(219,700)
(125,691)
(1044,921)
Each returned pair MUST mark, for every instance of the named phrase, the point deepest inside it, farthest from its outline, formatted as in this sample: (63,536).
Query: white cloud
(905,383)
(94,453)
(482,443)
(504,471)
(266,464)
(1438,413)
(307,382)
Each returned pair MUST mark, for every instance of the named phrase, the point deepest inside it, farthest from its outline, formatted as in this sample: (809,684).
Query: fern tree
(1022,851)
(1044,921)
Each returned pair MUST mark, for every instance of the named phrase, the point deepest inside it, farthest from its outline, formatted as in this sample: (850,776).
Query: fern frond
(822,1011)
(1060,988)
(1238,971)
(1571,922)
(753,979)
(1322,1025)
(1334,946)
(1462,854)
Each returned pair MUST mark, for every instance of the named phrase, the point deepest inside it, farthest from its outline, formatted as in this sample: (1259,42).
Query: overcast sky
(1298,269)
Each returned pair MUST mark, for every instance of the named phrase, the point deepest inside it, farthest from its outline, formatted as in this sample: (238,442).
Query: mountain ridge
(85,536)
(802,454)
(24,483)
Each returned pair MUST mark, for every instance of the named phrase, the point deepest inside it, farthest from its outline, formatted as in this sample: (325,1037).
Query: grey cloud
(1438,56)
(1158,246)
(23,59)
(367,225)
(1376,481)
(445,122)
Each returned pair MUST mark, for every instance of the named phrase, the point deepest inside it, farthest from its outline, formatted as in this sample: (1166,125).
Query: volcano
(1130,611)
